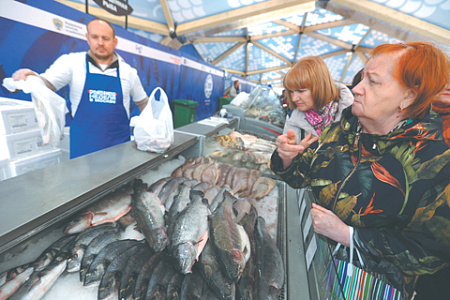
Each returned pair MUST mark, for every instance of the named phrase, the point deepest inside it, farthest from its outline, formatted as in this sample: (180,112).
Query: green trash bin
(223,101)
(184,112)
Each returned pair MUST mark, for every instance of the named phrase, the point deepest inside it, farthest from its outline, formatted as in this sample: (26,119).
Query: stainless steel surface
(36,200)
(205,130)
(281,231)
(297,277)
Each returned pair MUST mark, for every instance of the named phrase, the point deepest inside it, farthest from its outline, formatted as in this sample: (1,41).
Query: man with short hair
(101,84)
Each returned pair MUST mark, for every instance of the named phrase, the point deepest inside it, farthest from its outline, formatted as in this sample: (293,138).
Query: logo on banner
(102,96)
(208,86)
(116,7)
(58,24)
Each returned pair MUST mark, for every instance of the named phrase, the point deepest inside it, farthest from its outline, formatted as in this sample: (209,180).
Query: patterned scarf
(445,114)
(319,120)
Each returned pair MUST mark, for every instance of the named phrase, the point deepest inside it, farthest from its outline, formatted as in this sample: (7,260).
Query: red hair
(421,67)
(312,73)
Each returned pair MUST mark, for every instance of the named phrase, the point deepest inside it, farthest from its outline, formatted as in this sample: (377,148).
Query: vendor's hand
(325,222)
(288,148)
(22,74)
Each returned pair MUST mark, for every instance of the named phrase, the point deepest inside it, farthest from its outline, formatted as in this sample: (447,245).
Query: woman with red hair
(381,176)
(314,98)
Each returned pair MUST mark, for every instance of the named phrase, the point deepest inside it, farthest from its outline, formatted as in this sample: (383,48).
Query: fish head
(80,223)
(158,241)
(184,255)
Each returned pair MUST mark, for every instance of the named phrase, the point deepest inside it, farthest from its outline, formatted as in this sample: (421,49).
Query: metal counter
(36,200)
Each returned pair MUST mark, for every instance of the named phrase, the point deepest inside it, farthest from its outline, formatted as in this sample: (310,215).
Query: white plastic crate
(22,144)
(35,162)
(16,116)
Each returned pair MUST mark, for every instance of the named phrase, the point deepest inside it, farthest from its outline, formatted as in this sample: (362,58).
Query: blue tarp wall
(35,33)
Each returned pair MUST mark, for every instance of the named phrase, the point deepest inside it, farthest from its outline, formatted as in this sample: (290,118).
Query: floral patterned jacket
(393,189)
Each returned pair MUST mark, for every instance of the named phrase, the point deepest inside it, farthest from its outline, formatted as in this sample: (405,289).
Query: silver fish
(227,240)
(174,286)
(110,283)
(50,253)
(82,241)
(270,267)
(12,285)
(108,209)
(11,273)
(94,248)
(149,213)
(40,282)
(189,235)
(102,260)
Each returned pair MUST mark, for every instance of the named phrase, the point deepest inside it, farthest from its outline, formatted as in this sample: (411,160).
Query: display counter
(36,200)
(38,203)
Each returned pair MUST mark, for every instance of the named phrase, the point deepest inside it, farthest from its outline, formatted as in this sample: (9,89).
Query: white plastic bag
(50,108)
(153,128)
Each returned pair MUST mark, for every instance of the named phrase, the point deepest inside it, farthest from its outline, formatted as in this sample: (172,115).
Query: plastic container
(223,101)
(16,116)
(34,162)
(22,144)
(184,112)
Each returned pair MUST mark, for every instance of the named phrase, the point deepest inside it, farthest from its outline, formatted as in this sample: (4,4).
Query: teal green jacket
(393,189)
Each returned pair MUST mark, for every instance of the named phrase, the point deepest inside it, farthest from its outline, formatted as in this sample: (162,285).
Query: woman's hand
(288,148)
(22,74)
(325,222)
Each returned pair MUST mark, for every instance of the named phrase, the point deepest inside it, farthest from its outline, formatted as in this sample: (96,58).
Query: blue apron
(101,120)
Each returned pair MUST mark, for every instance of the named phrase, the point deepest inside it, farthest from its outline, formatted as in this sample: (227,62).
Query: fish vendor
(101,84)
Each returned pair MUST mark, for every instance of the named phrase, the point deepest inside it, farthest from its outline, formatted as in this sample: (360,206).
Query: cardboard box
(16,116)
(22,144)
(34,162)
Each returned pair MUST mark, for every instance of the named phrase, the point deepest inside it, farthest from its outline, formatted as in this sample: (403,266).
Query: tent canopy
(261,39)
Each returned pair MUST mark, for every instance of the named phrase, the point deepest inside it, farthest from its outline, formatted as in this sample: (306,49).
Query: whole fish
(170,188)
(40,282)
(187,183)
(94,248)
(143,278)
(219,198)
(211,193)
(82,241)
(270,266)
(174,287)
(131,271)
(102,260)
(226,239)
(11,273)
(48,255)
(158,185)
(223,172)
(160,279)
(262,187)
(180,202)
(12,285)
(189,235)
(211,271)
(149,214)
(240,180)
(110,283)
(108,209)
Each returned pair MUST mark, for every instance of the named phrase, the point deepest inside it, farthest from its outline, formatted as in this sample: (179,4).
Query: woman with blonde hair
(315,99)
